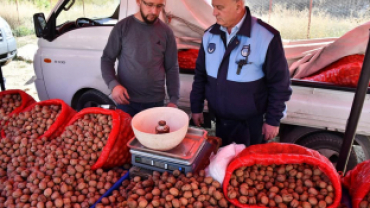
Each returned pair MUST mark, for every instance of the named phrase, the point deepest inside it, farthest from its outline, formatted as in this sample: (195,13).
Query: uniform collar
(245,28)
(236,28)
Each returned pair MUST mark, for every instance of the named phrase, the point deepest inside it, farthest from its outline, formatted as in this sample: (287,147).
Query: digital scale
(191,155)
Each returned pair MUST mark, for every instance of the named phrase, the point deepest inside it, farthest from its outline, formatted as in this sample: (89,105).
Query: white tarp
(353,42)
(188,19)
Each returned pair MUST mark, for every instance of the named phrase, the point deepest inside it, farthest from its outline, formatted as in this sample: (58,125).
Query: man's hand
(270,132)
(173,105)
(197,118)
(120,95)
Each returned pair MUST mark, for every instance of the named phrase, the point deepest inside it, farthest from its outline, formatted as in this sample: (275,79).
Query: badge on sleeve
(246,50)
(211,47)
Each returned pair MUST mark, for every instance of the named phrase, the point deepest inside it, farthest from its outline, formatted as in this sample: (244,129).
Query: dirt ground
(22,41)
(19,73)
(16,74)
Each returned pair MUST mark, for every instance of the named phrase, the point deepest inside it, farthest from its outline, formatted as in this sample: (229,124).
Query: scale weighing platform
(191,155)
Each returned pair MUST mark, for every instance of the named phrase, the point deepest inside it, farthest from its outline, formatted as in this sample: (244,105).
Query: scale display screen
(161,163)
(143,160)
(158,164)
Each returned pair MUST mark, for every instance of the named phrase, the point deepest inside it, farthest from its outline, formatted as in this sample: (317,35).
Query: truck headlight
(8,32)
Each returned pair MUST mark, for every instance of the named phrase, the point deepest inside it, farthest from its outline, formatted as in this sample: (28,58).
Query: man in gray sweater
(147,53)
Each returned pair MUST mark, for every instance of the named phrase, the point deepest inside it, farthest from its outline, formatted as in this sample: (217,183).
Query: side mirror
(39,23)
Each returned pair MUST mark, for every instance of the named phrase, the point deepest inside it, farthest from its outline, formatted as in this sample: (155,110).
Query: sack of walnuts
(42,119)
(357,181)
(281,175)
(102,134)
(13,101)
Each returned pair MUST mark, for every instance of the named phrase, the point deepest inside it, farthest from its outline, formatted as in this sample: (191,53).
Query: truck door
(71,60)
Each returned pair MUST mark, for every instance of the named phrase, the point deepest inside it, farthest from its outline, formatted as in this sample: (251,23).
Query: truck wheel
(92,98)
(328,145)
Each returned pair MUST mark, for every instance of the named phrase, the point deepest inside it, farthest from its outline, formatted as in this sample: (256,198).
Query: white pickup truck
(72,38)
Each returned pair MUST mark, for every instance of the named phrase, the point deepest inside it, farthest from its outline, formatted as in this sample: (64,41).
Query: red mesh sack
(115,152)
(26,100)
(344,72)
(187,59)
(280,153)
(66,113)
(357,181)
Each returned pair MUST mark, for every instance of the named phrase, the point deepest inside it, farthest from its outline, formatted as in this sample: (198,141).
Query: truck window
(88,13)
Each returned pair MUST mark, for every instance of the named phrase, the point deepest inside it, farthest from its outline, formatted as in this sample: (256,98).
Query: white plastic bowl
(144,124)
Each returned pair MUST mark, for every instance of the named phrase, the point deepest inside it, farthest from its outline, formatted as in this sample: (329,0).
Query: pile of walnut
(297,185)
(365,203)
(8,103)
(34,123)
(56,173)
(162,127)
(166,190)
(87,136)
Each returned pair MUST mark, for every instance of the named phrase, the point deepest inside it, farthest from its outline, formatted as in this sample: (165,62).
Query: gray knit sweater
(147,56)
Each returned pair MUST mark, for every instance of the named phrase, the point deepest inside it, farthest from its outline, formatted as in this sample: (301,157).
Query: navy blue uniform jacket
(261,88)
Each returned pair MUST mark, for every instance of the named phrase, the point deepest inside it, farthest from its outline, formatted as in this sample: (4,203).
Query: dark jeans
(133,108)
(241,132)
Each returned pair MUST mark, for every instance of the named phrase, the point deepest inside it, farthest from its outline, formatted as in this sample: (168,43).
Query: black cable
(2,80)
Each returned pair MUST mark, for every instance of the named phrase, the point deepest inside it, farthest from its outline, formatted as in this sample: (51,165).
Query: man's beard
(146,19)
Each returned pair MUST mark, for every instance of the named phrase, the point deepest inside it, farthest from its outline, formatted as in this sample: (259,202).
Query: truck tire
(328,145)
(92,98)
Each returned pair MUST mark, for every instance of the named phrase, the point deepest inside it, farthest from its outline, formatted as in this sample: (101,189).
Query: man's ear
(138,2)
(239,5)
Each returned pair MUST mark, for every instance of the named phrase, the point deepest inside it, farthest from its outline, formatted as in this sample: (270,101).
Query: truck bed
(325,106)
(312,104)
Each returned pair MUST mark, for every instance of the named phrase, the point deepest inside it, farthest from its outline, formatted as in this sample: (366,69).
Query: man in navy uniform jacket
(242,72)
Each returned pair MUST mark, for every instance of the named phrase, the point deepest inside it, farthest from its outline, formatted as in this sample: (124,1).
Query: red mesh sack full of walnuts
(42,119)
(357,181)
(281,175)
(13,101)
(104,134)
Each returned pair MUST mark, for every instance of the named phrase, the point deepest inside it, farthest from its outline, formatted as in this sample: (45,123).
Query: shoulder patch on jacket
(268,27)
